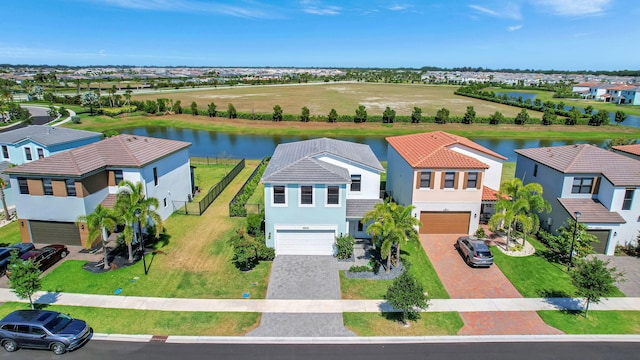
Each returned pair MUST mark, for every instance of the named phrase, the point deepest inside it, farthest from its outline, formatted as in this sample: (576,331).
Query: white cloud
(398,7)
(251,10)
(515,27)
(317,8)
(508,11)
(574,7)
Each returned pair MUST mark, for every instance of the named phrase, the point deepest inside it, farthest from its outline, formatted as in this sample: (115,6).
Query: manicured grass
(508,171)
(208,175)
(388,324)
(598,322)
(420,267)
(534,276)
(152,322)
(10,233)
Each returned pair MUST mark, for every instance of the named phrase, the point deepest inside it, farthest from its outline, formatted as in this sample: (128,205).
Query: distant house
(55,190)
(632,151)
(451,180)
(316,190)
(599,184)
(614,93)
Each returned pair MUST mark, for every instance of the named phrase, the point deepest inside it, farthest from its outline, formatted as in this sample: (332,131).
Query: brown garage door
(603,237)
(49,232)
(444,222)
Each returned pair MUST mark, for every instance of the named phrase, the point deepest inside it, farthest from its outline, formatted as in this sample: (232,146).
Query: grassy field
(208,175)
(151,322)
(387,324)
(598,322)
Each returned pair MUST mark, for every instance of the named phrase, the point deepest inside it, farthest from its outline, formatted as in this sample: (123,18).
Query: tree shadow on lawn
(562,300)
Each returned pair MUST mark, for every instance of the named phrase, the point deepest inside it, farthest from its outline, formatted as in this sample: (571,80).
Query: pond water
(217,144)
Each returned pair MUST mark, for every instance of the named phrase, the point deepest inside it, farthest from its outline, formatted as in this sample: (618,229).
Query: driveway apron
(464,282)
(303,277)
(630,267)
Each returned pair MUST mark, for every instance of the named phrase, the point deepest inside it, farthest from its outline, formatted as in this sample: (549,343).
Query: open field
(344,97)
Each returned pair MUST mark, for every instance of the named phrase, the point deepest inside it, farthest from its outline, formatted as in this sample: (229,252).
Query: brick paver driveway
(462,281)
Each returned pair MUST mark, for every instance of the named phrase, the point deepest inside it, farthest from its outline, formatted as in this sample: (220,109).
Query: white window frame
(273,194)
(326,198)
(313,196)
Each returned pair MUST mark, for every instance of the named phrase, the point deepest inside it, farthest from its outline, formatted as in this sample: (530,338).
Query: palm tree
(133,207)
(405,223)
(509,212)
(3,184)
(383,229)
(98,222)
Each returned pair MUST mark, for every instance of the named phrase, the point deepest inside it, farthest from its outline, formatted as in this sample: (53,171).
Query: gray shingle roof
(297,161)
(620,170)
(45,135)
(591,211)
(356,208)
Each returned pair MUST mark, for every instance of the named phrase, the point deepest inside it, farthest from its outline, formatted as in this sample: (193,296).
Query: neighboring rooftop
(591,211)
(633,149)
(432,150)
(45,135)
(587,159)
(119,151)
(298,161)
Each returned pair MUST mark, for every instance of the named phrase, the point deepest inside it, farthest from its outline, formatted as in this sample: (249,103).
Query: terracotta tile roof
(591,211)
(109,201)
(488,194)
(118,151)
(620,170)
(586,84)
(630,149)
(432,150)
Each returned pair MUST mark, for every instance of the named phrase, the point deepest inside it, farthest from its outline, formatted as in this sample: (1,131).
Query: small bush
(359,269)
(249,251)
(255,223)
(75,119)
(119,110)
(480,234)
(345,244)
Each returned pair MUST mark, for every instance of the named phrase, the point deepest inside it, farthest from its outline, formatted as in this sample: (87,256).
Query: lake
(218,144)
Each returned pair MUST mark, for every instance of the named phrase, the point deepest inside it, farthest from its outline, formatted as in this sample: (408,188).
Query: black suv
(43,329)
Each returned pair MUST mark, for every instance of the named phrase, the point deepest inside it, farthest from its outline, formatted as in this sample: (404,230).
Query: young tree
(361,114)
(389,115)
(52,112)
(581,244)
(609,144)
(333,116)
(277,113)
(3,198)
(620,116)
(496,118)
(522,117)
(416,115)
(231,110)
(211,109)
(90,100)
(407,294)
(599,118)
(98,223)
(469,116)
(574,115)
(304,116)
(594,280)
(194,108)
(442,116)
(549,116)
(588,110)
(25,277)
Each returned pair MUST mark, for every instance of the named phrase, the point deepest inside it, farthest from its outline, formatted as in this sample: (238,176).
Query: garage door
(307,242)
(449,222)
(49,232)
(603,237)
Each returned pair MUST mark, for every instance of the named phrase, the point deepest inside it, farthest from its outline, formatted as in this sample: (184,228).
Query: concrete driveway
(630,267)
(303,277)
(462,281)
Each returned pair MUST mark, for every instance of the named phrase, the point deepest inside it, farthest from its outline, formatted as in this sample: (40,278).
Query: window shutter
(455,180)
(442,179)
(432,180)
(418,176)
(479,180)
(466,178)
(596,185)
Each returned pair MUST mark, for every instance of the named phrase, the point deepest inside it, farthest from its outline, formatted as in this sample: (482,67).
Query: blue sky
(525,34)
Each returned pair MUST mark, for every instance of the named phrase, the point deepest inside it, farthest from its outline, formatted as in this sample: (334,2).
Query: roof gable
(45,135)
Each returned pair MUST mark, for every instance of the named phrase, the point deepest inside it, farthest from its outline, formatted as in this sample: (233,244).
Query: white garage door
(305,242)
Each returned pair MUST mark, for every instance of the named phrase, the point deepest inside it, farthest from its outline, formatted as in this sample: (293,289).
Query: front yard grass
(599,322)
(195,263)
(535,276)
(10,233)
(420,267)
(153,322)
(387,324)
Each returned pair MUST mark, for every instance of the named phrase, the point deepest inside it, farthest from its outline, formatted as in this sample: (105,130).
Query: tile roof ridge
(126,148)
(578,155)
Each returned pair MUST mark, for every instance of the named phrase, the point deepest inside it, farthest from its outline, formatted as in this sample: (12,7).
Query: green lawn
(534,276)
(208,175)
(152,322)
(10,233)
(598,322)
(387,324)
(421,268)
(508,171)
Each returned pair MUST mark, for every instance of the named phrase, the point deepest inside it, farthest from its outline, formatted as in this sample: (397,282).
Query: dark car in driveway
(43,329)
(474,251)
(5,254)
(46,256)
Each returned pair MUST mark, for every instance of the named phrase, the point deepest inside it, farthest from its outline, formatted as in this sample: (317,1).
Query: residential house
(317,190)
(56,190)
(614,93)
(599,184)
(632,151)
(451,180)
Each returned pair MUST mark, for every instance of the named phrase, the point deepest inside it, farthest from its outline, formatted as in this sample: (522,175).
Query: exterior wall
(493,174)
(467,206)
(370,185)
(443,195)
(400,178)
(174,181)
(17,151)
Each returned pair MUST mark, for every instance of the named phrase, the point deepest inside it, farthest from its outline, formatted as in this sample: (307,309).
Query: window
(535,170)
(27,153)
(23,185)
(70,184)
(40,153)
(360,226)
(46,185)
(155,176)
(628,199)
(425,179)
(279,195)
(582,185)
(333,195)
(306,195)
(449,180)
(118,176)
(5,151)
(37,331)
(356,182)
(165,202)
(472,180)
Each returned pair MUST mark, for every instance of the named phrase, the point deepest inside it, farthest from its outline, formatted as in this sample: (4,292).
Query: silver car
(474,251)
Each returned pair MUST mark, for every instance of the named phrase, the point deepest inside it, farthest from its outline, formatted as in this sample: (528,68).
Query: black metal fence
(198,207)
(238,207)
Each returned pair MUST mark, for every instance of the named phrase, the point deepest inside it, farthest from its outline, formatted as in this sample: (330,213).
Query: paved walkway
(462,281)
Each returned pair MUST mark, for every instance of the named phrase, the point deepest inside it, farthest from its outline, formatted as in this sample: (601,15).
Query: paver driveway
(462,281)
(303,277)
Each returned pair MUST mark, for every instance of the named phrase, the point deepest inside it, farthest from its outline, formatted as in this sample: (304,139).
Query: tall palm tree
(405,223)
(509,212)
(133,207)
(383,229)
(532,194)
(98,222)
(3,198)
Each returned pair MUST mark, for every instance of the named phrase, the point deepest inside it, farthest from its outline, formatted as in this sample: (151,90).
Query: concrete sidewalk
(316,306)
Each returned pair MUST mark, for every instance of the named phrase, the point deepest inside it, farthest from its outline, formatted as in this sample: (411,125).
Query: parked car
(5,254)
(474,251)
(43,329)
(46,256)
